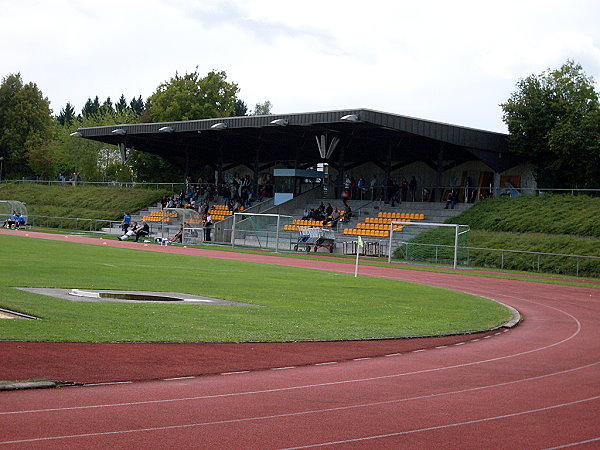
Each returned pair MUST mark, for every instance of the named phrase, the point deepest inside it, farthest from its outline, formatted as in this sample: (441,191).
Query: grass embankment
(295,304)
(83,201)
(560,224)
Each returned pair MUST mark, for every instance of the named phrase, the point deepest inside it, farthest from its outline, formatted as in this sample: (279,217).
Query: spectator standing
(207,227)
(125,223)
(412,187)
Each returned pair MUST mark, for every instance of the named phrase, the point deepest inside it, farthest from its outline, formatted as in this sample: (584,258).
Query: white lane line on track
(340,408)
(442,346)
(393,354)
(235,373)
(326,363)
(178,378)
(108,383)
(362,359)
(449,425)
(332,383)
(460,343)
(573,444)
(283,368)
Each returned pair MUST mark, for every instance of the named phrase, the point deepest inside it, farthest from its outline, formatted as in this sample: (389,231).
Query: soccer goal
(437,243)
(261,230)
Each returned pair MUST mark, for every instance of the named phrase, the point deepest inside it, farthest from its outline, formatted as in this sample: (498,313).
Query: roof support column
(388,174)
(341,170)
(186,170)
(496,191)
(438,190)
(256,171)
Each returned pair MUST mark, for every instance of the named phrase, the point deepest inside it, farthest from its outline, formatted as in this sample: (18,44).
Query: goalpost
(259,230)
(427,242)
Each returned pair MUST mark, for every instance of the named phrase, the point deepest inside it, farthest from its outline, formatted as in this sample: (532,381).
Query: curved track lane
(536,386)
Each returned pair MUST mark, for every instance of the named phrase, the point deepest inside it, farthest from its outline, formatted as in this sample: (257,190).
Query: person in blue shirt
(21,220)
(125,223)
(11,221)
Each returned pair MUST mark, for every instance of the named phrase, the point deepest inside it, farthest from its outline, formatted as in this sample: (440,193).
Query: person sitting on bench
(143,230)
(128,233)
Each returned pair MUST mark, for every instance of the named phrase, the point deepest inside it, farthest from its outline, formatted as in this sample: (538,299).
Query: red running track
(536,386)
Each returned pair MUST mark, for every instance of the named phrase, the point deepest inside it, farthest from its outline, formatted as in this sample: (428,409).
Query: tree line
(553,119)
(34,142)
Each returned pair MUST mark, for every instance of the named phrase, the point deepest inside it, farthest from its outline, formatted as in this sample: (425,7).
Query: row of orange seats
(381,220)
(401,216)
(377,226)
(368,233)
(311,223)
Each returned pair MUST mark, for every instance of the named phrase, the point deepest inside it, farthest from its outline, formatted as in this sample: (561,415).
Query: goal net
(431,243)
(261,230)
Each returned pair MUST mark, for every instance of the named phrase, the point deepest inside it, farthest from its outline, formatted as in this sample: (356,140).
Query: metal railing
(578,265)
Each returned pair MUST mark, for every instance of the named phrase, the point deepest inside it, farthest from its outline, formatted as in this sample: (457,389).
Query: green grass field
(296,304)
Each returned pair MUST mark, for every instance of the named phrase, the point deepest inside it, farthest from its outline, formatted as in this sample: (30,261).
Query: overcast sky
(448,61)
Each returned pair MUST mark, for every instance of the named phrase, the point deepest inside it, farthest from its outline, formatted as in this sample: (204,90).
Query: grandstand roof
(293,140)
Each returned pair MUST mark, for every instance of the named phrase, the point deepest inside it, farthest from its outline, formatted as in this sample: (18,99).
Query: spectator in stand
(329,209)
(412,186)
(125,223)
(374,187)
(361,187)
(452,199)
(395,193)
(335,217)
(404,188)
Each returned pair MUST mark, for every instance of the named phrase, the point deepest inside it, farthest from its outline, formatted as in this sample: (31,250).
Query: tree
(191,97)
(25,124)
(67,115)
(91,107)
(553,122)
(121,105)
(137,105)
(262,109)
(241,109)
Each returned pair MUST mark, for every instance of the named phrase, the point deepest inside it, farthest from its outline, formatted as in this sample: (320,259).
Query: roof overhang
(362,135)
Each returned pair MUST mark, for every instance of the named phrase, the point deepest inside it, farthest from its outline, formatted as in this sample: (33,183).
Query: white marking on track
(177,378)
(417,351)
(108,383)
(326,363)
(235,373)
(332,383)
(361,359)
(449,425)
(393,354)
(572,444)
(283,368)
(341,408)
(442,346)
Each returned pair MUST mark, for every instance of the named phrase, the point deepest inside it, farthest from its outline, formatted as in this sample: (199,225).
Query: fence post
(577,267)
(502,263)
(539,257)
